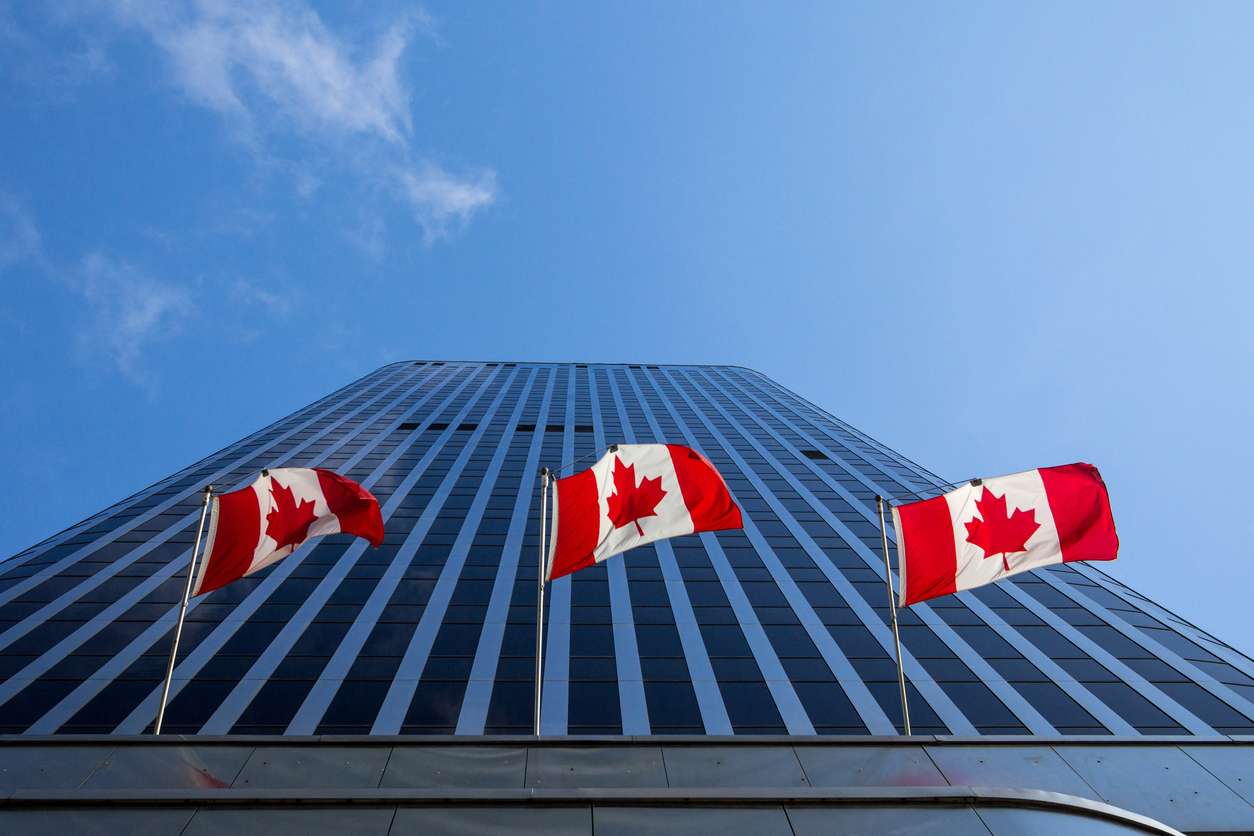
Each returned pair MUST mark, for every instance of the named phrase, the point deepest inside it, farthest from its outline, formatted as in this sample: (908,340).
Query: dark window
(1054,704)
(1207,706)
(751,708)
(1086,670)
(594,708)
(828,708)
(672,707)
(1155,670)
(1134,708)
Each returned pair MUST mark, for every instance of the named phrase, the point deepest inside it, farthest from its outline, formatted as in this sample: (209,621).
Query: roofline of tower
(584,363)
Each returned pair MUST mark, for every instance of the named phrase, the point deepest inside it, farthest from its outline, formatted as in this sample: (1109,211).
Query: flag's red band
(238,518)
(354,506)
(578,510)
(1081,507)
(709,502)
(927,536)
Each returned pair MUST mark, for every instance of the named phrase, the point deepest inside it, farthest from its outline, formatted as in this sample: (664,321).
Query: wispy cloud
(251,295)
(55,73)
(441,202)
(123,311)
(232,56)
(272,68)
(128,311)
(19,237)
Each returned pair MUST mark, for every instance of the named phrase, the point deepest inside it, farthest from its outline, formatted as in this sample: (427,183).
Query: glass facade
(777,629)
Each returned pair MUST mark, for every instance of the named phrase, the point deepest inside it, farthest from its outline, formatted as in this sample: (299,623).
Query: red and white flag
(635,494)
(994,528)
(253,527)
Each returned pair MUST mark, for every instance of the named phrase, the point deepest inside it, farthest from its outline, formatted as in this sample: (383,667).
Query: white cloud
(240,57)
(441,201)
(273,67)
(128,312)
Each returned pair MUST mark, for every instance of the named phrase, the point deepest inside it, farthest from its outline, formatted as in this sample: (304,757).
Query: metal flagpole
(540,581)
(187,593)
(892,609)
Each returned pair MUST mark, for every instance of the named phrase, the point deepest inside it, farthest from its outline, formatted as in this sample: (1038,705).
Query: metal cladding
(777,629)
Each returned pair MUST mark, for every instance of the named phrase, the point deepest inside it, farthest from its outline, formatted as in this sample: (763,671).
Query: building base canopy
(620,785)
(967,811)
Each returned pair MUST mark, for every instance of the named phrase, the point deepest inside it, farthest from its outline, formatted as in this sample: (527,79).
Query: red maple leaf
(999,533)
(288,523)
(630,502)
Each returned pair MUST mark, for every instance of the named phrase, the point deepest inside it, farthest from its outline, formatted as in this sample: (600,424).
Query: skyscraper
(779,629)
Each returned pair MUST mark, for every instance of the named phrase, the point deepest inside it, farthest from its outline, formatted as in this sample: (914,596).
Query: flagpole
(892,610)
(540,580)
(187,594)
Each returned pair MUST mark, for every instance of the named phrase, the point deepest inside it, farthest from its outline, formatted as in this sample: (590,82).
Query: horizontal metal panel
(48,767)
(596,766)
(868,766)
(886,821)
(313,767)
(1234,765)
(733,766)
(321,821)
(494,821)
(169,767)
(1024,767)
(100,821)
(691,821)
(444,766)
(1163,783)
(1010,821)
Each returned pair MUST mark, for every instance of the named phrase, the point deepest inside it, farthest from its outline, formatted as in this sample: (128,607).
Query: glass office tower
(777,629)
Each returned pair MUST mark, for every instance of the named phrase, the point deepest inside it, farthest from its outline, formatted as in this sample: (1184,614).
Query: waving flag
(993,528)
(635,494)
(253,527)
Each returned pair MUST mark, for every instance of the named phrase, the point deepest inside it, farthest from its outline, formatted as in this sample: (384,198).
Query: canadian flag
(994,528)
(635,494)
(253,527)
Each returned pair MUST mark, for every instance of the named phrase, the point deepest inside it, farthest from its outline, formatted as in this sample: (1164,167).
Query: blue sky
(995,236)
